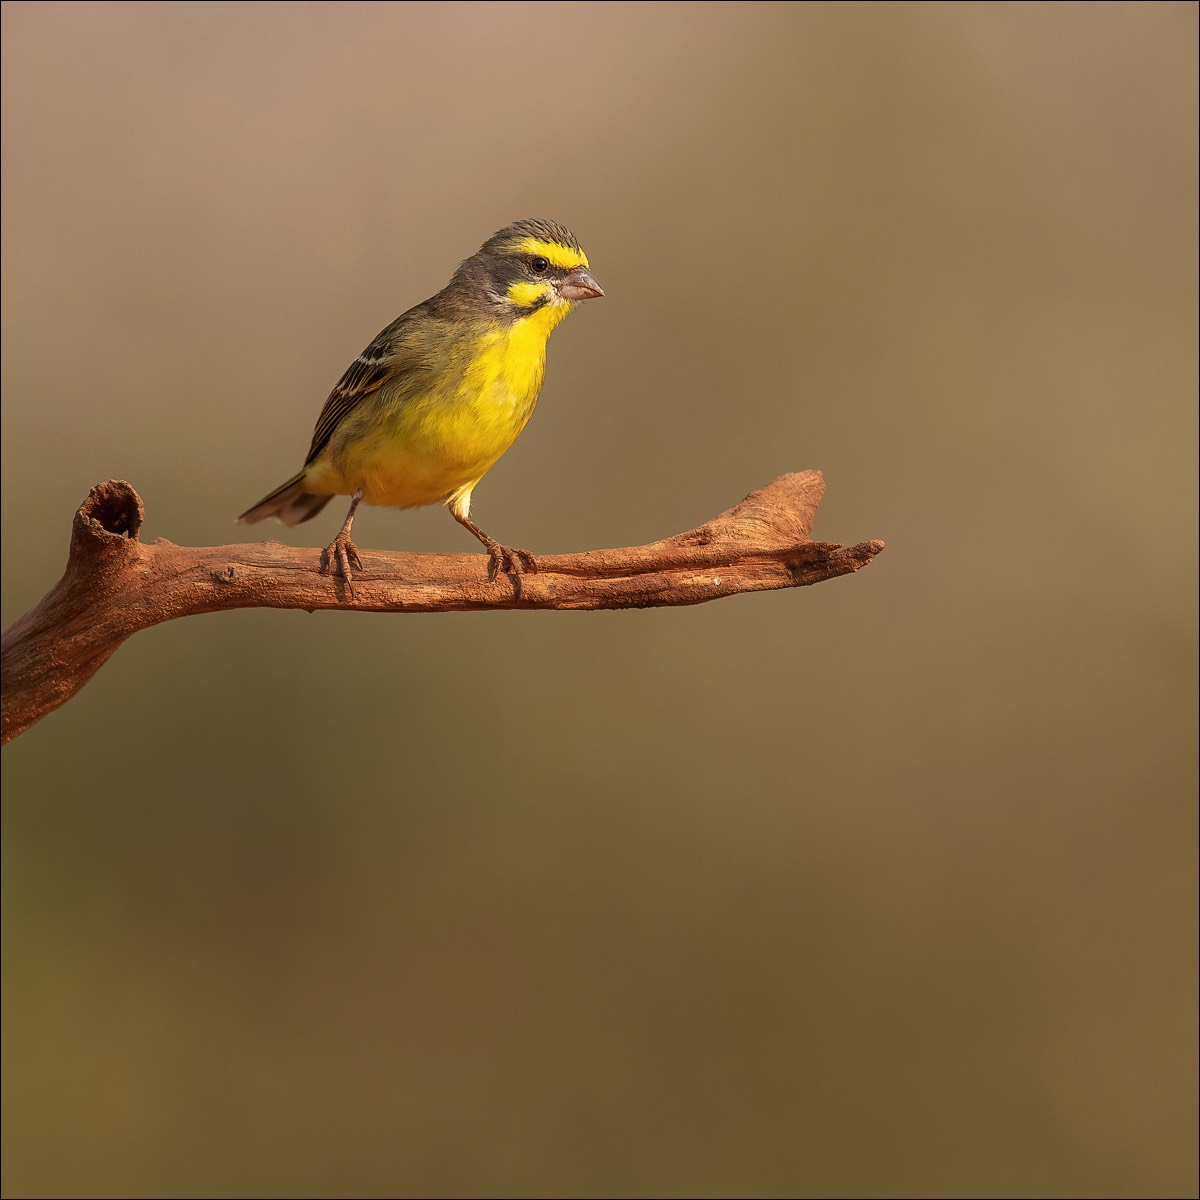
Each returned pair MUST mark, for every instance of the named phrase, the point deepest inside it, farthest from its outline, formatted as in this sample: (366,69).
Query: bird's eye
(539,265)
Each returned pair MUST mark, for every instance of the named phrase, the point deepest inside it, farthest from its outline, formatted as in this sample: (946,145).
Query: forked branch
(116,584)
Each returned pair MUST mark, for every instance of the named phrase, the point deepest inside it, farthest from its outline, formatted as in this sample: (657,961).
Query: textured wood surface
(115,584)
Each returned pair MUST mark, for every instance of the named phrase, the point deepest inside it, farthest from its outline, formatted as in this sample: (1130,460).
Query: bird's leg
(501,558)
(342,553)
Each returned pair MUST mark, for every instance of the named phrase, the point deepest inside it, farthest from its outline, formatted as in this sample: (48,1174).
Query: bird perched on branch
(441,393)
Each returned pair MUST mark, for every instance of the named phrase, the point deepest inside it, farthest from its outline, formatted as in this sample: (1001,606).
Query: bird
(422,414)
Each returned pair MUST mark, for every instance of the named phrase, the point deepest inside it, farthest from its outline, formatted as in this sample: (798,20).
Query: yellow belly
(406,446)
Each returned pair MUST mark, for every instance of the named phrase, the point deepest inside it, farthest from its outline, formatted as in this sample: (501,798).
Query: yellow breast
(408,446)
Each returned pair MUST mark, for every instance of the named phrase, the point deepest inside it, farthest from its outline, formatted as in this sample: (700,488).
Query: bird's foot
(509,561)
(340,557)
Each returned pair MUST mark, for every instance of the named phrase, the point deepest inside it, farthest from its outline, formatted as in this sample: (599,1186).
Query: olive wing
(393,354)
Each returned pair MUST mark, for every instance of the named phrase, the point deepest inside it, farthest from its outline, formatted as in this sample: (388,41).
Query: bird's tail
(288,503)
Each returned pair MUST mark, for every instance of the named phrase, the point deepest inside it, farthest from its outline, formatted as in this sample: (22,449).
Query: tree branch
(115,584)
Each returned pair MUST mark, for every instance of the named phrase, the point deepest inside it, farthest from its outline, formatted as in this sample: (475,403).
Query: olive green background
(879,888)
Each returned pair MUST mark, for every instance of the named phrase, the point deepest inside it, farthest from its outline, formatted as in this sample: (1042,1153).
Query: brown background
(880,888)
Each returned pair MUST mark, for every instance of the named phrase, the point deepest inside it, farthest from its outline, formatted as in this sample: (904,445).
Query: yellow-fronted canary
(442,392)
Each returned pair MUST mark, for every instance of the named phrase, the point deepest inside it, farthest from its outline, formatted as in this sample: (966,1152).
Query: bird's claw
(509,561)
(341,557)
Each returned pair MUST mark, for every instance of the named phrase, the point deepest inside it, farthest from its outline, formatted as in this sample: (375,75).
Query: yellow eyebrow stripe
(561,256)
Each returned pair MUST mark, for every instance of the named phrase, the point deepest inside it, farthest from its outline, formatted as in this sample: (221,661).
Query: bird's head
(530,267)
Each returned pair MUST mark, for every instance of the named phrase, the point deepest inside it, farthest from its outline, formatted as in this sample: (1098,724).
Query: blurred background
(879,888)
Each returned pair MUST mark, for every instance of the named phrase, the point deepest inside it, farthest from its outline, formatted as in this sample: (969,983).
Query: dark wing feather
(380,361)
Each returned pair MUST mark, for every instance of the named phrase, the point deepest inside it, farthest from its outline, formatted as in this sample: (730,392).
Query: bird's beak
(579,285)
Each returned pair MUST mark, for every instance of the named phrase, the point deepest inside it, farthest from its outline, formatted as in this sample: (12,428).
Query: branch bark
(115,584)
